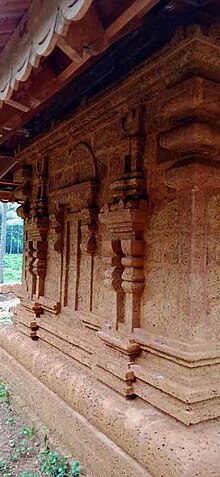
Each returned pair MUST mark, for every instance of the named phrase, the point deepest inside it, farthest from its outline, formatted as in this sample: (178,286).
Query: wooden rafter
(79,44)
(16,105)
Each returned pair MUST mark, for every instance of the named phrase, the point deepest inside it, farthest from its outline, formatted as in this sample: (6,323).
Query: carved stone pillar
(39,266)
(124,218)
(132,280)
(36,231)
(112,255)
(181,303)
(125,222)
(87,221)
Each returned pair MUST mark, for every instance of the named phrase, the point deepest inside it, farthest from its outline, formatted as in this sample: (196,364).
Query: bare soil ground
(18,452)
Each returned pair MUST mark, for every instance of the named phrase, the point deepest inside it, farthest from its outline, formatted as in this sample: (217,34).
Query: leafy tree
(4,209)
(11,237)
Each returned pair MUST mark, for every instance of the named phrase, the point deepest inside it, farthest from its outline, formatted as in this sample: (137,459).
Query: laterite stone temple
(110,143)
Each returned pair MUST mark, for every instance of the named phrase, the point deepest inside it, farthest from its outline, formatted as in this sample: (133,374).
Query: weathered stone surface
(120,290)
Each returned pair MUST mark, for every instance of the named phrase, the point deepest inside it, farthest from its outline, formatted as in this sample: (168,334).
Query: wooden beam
(68,50)
(6,164)
(83,40)
(9,183)
(16,105)
(136,10)
(71,69)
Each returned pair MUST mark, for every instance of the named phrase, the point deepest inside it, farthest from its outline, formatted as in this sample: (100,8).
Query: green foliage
(28,431)
(75,468)
(24,448)
(12,268)
(53,464)
(4,393)
(14,238)
(26,473)
(14,458)
(9,422)
(14,228)
(4,469)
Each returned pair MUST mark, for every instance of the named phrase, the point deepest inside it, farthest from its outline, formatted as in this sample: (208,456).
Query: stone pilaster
(181,343)
(124,217)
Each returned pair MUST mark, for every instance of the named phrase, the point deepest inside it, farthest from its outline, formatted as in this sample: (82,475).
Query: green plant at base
(9,422)
(14,458)
(22,447)
(26,473)
(75,468)
(53,464)
(4,394)
(28,431)
(4,469)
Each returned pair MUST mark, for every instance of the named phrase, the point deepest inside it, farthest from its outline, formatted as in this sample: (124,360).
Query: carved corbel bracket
(189,112)
(23,192)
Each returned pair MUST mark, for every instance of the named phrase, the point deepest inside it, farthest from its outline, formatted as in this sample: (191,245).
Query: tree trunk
(3,239)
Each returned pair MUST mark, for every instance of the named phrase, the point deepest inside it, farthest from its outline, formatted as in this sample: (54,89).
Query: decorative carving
(38,311)
(34,328)
(87,239)
(36,229)
(29,260)
(23,193)
(182,258)
(40,209)
(124,216)
(39,265)
(112,255)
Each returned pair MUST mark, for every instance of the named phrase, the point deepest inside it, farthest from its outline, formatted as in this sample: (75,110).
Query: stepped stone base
(107,434)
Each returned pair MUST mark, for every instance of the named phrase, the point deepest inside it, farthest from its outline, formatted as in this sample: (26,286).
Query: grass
(12,267)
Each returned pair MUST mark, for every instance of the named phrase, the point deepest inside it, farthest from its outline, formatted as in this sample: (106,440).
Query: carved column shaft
(132,280)
(87,221)
(112,254)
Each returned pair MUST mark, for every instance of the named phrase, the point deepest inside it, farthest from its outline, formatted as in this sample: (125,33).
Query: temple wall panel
(122,259)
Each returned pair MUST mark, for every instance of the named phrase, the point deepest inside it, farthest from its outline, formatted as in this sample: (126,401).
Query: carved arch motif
(86,165)
(92,162)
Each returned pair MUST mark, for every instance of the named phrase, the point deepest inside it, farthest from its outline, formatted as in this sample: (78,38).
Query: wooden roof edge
(37,36)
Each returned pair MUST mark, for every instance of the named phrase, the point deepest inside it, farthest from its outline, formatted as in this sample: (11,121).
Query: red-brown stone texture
(117,333)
